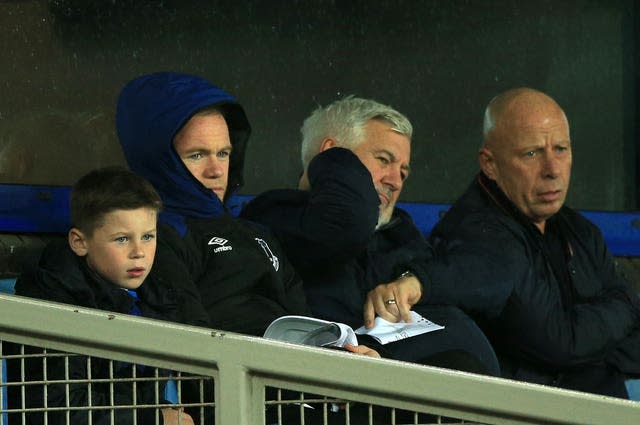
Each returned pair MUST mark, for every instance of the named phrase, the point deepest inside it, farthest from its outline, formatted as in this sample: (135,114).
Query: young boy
(104,264)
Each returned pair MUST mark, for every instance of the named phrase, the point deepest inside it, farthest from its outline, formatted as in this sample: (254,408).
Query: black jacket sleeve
(288,288)
(332,221)
(625,355)
(175,268)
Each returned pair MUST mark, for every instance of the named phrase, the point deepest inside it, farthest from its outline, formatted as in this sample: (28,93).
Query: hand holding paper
(403,292)
(322,333)
(385,332)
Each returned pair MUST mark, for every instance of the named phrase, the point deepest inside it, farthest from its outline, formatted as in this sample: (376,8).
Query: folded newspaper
(385,332)
(322,333)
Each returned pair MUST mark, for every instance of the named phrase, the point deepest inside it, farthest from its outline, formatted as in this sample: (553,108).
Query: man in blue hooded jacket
(188,138)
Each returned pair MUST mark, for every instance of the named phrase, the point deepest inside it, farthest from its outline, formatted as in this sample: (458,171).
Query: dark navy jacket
(244,279)
(330,235)
(553,320)
(61,276)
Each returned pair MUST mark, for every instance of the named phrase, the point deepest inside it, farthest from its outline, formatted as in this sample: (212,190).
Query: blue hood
(151,110)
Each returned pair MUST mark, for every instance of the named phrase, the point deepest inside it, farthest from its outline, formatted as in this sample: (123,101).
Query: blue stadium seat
(7,285)
(633,388)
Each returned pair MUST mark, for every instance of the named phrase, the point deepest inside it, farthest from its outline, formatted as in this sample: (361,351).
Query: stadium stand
(30,216)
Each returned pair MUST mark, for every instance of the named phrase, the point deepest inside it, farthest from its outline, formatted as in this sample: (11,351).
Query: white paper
(347,337)
(385,332)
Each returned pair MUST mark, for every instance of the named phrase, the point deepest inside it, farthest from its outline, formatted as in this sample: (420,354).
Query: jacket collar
(498,197)
(500,200)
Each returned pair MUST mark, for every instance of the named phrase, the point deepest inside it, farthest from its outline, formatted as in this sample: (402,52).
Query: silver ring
(392,301)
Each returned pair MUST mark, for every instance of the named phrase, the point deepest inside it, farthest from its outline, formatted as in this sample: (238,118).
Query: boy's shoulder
(57,275)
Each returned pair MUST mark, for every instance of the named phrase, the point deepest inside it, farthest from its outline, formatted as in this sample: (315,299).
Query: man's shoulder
(270,201)
(473,209)
(578,223)
(403,221)
(203,233)
(474,215)
(194,228)
(255,229)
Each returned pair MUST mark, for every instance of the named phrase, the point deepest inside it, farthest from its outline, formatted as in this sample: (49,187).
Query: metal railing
(252,375)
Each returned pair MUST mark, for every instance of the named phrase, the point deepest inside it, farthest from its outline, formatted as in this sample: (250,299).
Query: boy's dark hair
(107,189)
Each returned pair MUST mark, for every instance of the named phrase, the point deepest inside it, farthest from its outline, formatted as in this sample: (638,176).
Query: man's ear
(328,143)
(487,162)
(77,242)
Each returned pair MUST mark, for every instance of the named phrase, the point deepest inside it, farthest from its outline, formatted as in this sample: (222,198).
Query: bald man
(534,273)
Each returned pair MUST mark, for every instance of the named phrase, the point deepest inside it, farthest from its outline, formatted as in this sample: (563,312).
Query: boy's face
(122,248)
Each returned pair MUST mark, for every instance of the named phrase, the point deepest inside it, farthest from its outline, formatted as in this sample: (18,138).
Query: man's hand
(392,301)
(175,416)
(363,350)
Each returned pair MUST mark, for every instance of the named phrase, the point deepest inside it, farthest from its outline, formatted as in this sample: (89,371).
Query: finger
(383,309)
(402,306)
(350,347)
(404,293)
(369,313)
(389,304)
(370,352)
(358,349)
(362,349)
(404,311)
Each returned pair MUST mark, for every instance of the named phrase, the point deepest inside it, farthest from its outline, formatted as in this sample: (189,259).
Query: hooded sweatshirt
(243,278)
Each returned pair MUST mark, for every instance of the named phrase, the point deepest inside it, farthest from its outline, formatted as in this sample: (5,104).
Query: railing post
(239,398)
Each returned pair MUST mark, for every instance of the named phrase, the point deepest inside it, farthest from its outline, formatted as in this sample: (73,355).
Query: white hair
(345,120)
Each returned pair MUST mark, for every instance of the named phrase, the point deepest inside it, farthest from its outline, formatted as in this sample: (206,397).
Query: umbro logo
(219,241)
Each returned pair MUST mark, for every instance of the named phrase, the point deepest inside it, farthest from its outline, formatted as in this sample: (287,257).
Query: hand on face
(404,293)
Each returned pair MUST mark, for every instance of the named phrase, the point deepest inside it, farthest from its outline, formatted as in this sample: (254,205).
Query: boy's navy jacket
(244,279)
(61,276)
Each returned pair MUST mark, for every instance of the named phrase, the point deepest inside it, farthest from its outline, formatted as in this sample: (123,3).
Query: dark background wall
(439,62)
